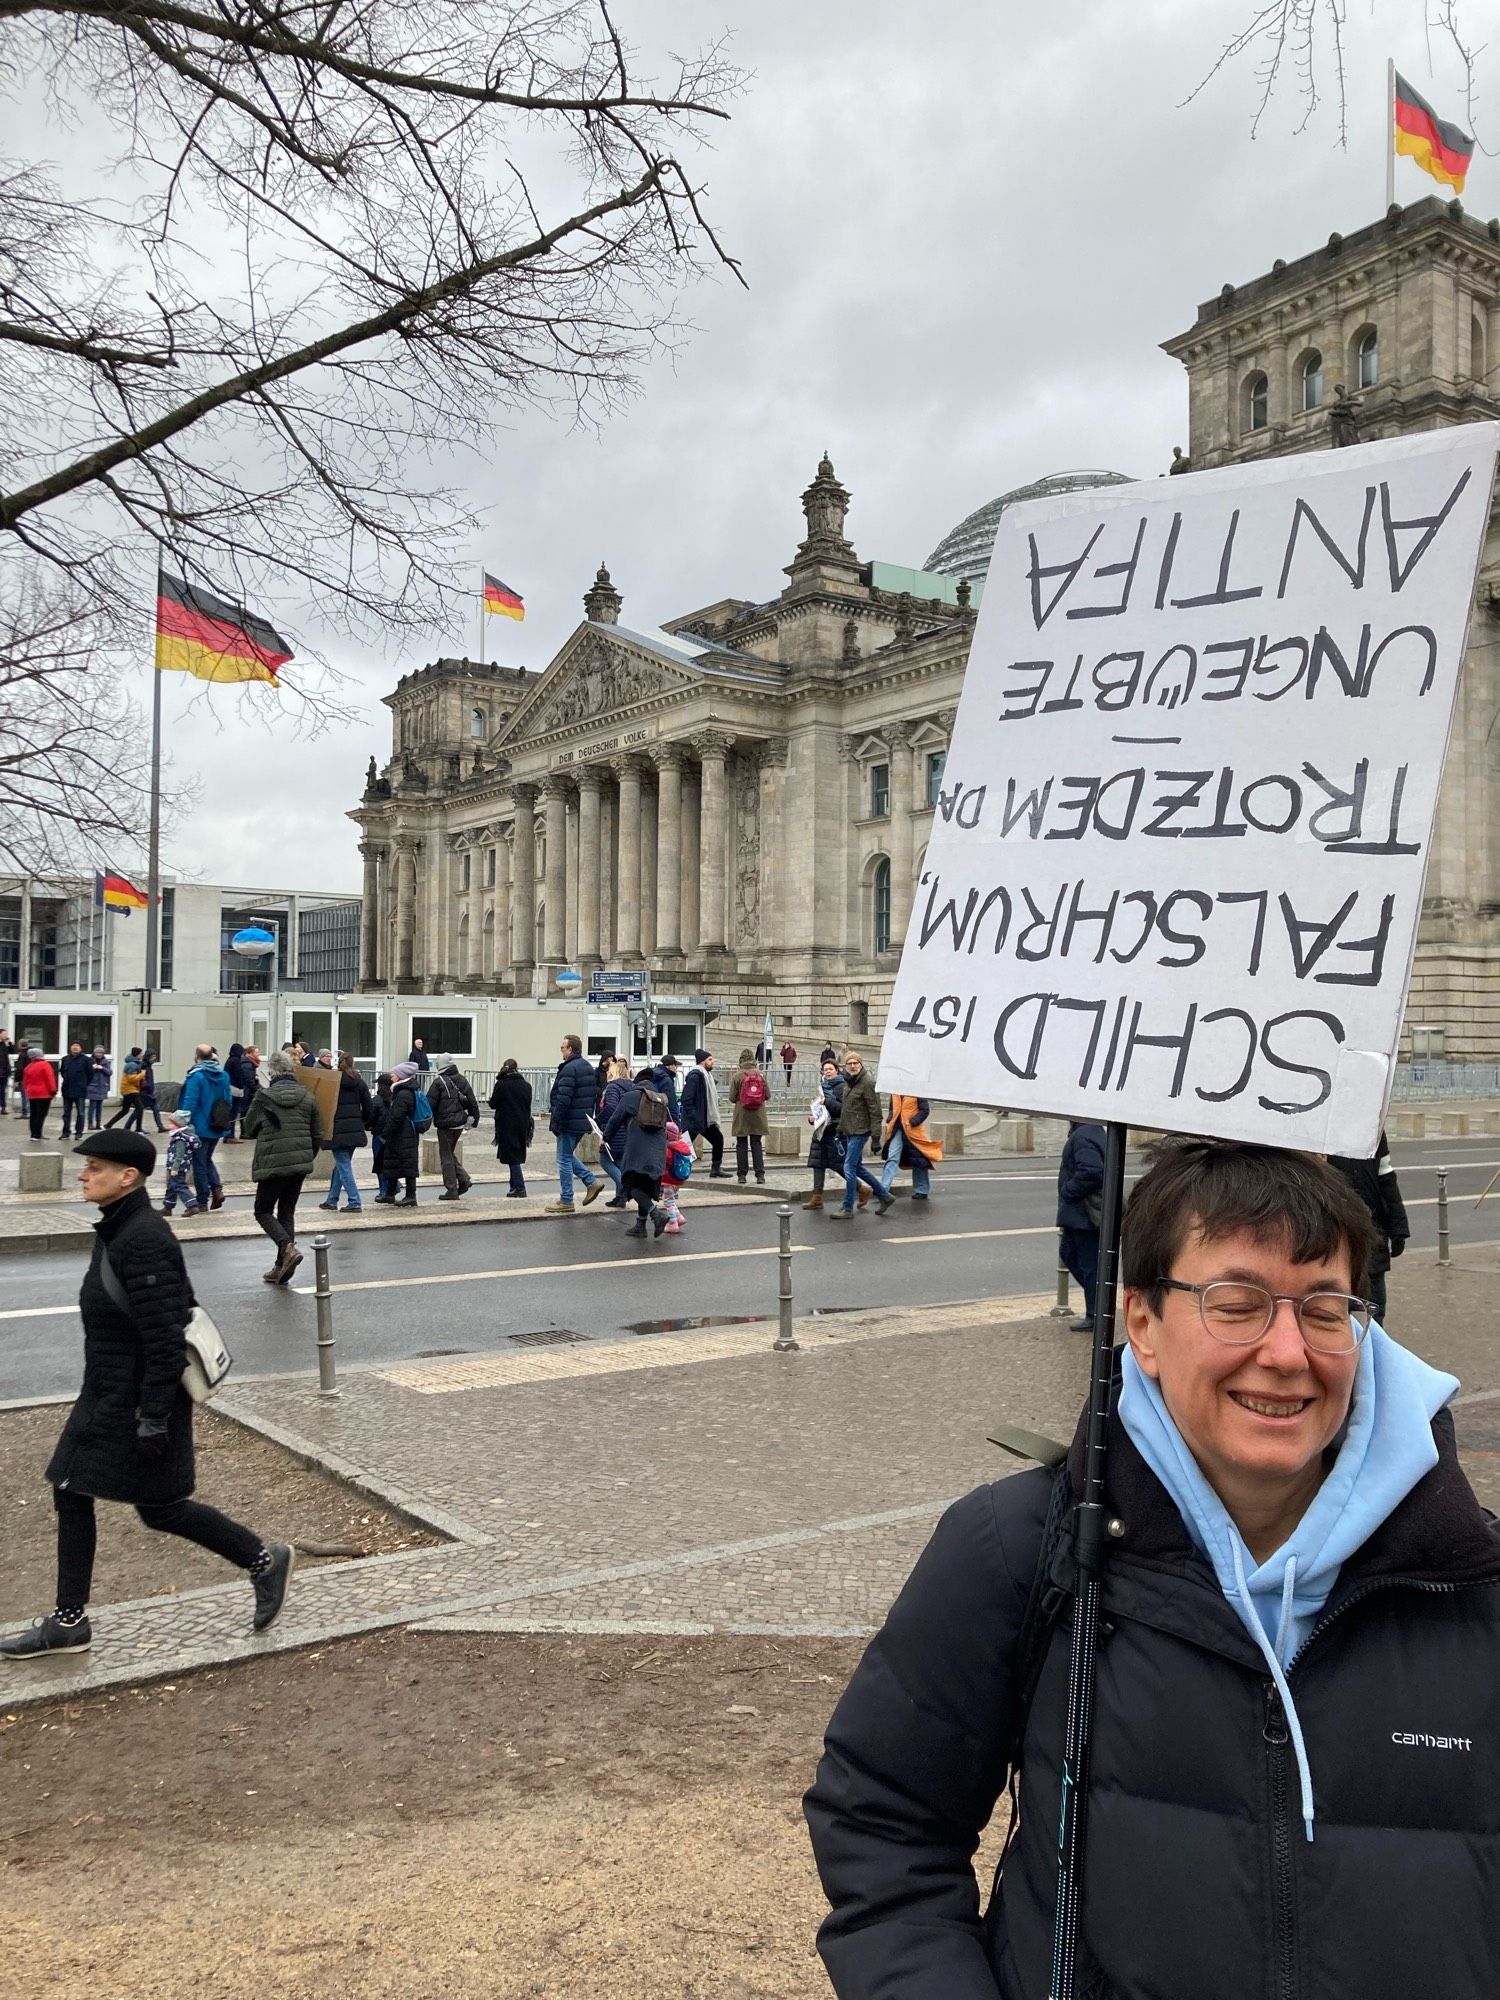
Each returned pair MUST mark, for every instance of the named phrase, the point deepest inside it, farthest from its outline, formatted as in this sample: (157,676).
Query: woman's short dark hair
(1293,1200)
(509,1066)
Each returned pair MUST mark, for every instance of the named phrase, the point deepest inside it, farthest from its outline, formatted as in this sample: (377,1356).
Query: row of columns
(660,853)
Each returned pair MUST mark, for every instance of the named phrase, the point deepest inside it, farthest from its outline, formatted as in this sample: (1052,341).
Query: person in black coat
(353,1115)
(569,1109)
(1298,1687)
(73,1075)
(641,1155)
(1080,1183)
(400,1154)
(129,1436)
(1374,1181)
(510,1100)
(825,1149)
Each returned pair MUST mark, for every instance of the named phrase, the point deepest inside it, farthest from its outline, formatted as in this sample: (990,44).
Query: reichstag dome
(965,550)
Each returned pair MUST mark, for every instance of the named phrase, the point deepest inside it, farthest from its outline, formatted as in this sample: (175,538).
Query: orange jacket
(904,1115)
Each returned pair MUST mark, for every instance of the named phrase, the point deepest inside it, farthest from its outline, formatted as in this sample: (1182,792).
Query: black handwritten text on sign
(1177,865)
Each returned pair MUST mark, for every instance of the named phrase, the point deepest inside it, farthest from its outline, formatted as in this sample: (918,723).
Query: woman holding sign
(1296,1747)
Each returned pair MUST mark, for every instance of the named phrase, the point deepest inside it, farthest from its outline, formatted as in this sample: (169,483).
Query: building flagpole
(481,617)
(1390,133)
(153,852)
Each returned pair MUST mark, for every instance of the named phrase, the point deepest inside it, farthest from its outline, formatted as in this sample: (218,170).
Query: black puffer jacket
(510,1100)
(1199,1879)
(353,1115)
(132,1364)
(454,1105)
(399,1150)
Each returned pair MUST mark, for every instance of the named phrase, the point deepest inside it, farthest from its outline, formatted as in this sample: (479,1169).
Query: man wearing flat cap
(129,1436)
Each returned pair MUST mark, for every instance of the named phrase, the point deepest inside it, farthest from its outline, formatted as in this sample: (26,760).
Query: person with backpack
(1296,1691)
(637,1136)
(750,1120)
(287,1127)
(209,1101)
(455,1109)
(859,1121)
(353,1115)
(569,1110)
(407,1117)
(129,1436)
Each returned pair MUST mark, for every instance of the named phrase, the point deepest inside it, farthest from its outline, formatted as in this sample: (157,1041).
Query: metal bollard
(784,1343)
(1443,1257)
(1062,1310)
(323,1293)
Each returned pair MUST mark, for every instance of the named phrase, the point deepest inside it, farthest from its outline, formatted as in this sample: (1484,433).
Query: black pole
(1089,1551)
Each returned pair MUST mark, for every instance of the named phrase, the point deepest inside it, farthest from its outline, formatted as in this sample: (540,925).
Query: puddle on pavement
(693,1321)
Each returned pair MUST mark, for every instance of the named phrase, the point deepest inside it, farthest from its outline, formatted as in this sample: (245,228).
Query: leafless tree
(301,258)
(1305,42)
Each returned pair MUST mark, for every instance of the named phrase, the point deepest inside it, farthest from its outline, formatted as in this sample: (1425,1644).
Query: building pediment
(593,679)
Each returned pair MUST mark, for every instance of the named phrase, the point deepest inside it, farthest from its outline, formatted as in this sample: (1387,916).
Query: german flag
(200,634)
(500,597)
(1439,149)
(118,892)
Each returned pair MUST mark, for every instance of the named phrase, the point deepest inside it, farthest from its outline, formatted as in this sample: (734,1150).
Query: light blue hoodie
(1387,1447)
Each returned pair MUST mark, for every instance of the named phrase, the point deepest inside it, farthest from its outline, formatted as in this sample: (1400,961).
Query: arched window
(476,724)
(1312,381)
(882,887)
(1257,403)
(1367,360)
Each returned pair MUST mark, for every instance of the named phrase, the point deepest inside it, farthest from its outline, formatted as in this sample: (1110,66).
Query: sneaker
(838,1214)
(560,1208)
(592,1192)
(290,1258)
(270,1589)
(660,1217)
(515,1194)
(48,1635)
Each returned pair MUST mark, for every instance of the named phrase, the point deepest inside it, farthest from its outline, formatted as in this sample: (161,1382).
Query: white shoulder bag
(208,1359)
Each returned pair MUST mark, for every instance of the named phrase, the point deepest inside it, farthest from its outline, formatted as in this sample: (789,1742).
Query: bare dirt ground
(448,1817)
(243,1475)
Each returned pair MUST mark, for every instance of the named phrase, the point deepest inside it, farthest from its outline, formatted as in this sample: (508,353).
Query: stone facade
(1395,328)
(742,799)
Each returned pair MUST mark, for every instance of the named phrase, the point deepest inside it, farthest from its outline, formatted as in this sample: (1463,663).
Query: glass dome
(965,550)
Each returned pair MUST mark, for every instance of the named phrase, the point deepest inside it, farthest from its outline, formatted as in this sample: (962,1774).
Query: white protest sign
(1177,865)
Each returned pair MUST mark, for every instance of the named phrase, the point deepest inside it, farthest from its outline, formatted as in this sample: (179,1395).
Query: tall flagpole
(153,856)
(1390,133)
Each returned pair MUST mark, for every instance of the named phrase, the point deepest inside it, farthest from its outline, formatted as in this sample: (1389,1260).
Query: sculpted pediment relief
(594,681)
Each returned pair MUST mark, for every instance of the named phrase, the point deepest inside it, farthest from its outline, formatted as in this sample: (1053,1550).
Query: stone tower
(1394,328)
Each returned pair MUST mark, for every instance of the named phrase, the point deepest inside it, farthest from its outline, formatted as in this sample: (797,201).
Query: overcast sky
(965,228)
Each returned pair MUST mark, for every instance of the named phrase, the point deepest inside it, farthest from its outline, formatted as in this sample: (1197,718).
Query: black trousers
(756,1148)
(276,1206)
(455,1180)
(715,1139)
(72,1115)
(37,1109)
(77,1535)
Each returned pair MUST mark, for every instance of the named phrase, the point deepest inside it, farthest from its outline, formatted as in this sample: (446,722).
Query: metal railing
(1420,1082)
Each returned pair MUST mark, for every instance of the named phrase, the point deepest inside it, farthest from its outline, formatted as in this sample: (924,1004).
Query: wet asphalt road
(474,1289)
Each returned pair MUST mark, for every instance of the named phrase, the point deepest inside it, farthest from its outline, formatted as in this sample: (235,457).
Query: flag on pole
(200,634)
(118,892)
(501,598)
(1438,148)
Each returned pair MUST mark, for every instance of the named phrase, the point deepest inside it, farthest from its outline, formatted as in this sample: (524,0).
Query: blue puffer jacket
(1080,1176)
(572,1101)
(207,1084)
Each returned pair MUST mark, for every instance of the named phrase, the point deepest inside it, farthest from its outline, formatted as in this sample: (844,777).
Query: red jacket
(38,1079)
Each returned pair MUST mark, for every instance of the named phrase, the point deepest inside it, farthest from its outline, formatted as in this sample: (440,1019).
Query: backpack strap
(1044,1603)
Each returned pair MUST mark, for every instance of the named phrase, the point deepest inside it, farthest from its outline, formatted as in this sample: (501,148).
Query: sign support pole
(1089,1547)
(153,848)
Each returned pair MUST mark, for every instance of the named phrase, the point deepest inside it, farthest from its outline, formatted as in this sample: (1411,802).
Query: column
(555,817)
(590,779)
(406,907)
(369,913)
(669,851)
(628,927)
(570,886)
(691,838)
(648,869)
(777,847)
(474,969)
(523,886)
(713,750)
(608,890)
(501,968)
(899,735)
